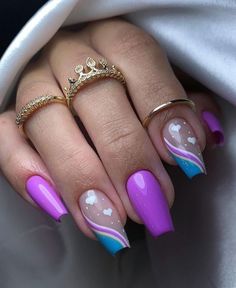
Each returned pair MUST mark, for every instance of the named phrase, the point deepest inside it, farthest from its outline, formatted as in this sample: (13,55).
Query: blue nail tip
(112,245)
(189,168)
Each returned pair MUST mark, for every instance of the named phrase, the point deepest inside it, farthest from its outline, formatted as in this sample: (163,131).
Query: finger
(176,132)
(23,168)
(209,114)
(74,166)
(121,142)
(207,109)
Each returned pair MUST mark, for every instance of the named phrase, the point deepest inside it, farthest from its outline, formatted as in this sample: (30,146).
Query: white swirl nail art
(183,146)
(103,218)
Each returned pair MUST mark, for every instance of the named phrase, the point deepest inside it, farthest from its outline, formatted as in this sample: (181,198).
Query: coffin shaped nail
(182,143)
(46,197)
(103,219)
(149,202)
(214,125)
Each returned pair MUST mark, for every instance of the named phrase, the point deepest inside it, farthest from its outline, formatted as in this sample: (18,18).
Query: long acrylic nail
(214,126)
(149,202)
(183,146)
(104,220)
(45,196)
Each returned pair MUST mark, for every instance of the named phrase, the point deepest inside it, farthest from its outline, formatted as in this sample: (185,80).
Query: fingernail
(183,146)
(104,220)
(149,202)
(214,126)
(46,197)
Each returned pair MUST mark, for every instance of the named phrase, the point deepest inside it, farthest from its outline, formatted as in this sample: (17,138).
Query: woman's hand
(124,175)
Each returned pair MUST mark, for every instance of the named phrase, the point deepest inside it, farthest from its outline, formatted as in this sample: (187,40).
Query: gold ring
(164,106)
(34,105)
(92,71)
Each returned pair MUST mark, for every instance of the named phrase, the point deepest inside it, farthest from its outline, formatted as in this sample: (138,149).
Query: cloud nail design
(183,146)
(91,198)
(104,220)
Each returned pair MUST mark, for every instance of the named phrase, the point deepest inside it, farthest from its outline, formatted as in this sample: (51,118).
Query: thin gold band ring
(34,105)
(165,106)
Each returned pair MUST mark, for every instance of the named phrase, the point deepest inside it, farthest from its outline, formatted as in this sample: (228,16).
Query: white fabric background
(199,35)
(200,38)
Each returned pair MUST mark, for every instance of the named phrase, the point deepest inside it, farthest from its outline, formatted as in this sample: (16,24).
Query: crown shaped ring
(91,72)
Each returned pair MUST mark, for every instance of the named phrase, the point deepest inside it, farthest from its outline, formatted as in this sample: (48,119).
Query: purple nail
(149,202)
(214,126)
(46,197)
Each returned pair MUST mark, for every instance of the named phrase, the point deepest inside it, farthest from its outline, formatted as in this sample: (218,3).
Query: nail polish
(46,197)
(149,202)
(103,219)
(214,126)
(181,142)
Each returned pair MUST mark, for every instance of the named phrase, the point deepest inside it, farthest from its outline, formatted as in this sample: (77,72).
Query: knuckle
(78,166)
(26,91)
(6,119)
(164,90)
(123,141)
(13,161)
(17,169)
(160,91)
(133,40)
(117,130)
(31,87)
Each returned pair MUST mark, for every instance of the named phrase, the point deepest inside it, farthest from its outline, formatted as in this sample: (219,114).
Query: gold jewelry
(31,107)
(92,71)
(164,106)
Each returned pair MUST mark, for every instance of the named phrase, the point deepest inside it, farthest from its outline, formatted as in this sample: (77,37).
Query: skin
(62,154)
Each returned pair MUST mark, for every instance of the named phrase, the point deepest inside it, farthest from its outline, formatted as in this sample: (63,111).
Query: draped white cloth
(199,35)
